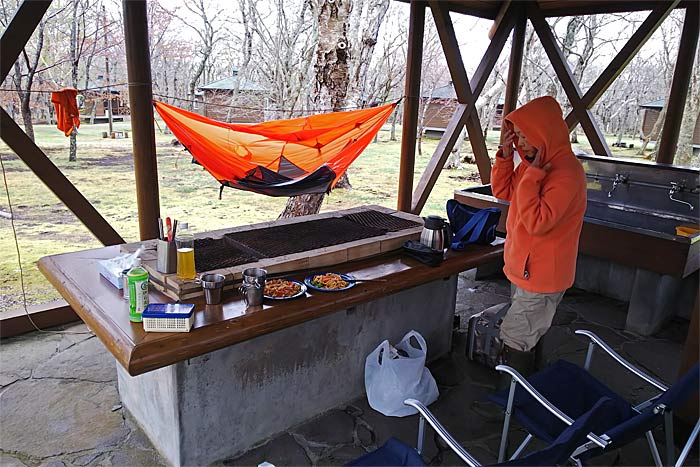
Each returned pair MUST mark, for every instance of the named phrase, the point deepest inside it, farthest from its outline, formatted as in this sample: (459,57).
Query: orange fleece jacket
(546,206)
(66,106)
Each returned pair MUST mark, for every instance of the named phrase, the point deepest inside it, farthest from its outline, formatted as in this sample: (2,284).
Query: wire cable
(19,261)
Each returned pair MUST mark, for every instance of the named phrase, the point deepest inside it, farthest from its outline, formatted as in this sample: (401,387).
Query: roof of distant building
(448,92)
(233,82)
(658,104)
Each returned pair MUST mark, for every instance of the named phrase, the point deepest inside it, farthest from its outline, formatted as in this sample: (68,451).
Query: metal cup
(213,285)
(253,286)
(167,257)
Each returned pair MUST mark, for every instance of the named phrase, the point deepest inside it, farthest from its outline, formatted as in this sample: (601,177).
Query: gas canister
(137,279)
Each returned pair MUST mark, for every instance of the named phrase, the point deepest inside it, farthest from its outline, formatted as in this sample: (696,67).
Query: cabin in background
(234,100)
(650,113)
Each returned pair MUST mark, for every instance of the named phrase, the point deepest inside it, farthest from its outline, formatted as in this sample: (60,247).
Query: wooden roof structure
(512,16)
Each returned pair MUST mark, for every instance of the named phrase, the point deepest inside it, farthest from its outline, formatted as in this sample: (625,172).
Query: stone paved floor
(59,404)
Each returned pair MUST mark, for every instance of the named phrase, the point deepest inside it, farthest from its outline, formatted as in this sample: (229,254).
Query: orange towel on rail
(67,114)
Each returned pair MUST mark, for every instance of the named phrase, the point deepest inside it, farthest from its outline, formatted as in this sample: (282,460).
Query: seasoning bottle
(184,240)
(137,279)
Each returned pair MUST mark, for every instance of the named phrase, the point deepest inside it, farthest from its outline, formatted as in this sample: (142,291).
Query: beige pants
(529,317)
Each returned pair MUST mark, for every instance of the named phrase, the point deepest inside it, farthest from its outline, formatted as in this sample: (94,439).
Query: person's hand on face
(508,142)
(537,162)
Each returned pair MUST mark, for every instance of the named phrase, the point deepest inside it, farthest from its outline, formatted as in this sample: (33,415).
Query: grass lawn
(104,174)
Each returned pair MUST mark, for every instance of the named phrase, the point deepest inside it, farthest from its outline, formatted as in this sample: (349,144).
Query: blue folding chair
(549,401)
(397,453)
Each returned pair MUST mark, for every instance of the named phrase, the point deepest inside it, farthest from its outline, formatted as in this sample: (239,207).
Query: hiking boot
(522,362)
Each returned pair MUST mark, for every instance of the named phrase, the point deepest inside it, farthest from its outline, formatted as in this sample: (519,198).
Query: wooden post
(138,63)
(679,86)
(517,48)
(409,132)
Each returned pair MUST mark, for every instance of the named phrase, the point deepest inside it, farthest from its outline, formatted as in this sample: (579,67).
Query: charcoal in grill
(210,254)
(380,220)
(303,236)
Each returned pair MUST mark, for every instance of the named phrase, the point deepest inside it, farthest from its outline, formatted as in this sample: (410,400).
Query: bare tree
(209,28)
(691,113)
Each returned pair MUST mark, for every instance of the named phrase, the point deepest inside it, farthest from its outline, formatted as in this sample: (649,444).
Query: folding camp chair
(548,401)
(397,453)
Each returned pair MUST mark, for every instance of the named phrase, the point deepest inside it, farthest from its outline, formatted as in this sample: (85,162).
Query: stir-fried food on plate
(329,281)
(280,288)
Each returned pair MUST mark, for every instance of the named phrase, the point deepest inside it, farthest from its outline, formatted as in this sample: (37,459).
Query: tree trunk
(394,119)
(684,151)
(332,79)
(73,152)
(655,131)
(27,115)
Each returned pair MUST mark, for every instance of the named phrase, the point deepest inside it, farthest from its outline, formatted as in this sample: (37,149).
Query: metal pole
(138,64)
(679,86)
(411,104)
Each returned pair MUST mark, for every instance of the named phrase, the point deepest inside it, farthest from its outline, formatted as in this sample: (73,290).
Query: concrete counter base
(222,403)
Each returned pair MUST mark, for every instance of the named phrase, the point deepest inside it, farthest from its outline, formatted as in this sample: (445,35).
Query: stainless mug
(213,285)
(253,286)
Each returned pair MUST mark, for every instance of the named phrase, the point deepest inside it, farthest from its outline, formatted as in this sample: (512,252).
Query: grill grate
(294,238)
(210,254)
(380,220)
(249,246)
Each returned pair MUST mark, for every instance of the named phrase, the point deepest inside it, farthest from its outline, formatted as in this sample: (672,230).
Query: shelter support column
(138,63)
(409,132)
(679,85)
(516,63)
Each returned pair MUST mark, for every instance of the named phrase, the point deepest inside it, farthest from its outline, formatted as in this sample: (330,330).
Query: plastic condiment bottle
(137,281)
(184,240)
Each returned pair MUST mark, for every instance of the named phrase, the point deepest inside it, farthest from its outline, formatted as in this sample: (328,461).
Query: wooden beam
(23,23)
(463,90)
(499,17)
(623,57)
(679,86)
(517,49)
(53,178)
(573,92)
(138,64)
(47,315)
(409,132)
(466,93)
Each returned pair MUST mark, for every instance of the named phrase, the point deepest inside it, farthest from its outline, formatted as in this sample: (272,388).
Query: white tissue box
(111,269)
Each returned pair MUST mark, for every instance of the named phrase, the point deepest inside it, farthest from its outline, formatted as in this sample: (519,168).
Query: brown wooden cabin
(94,104)
(234,99)
(650,114)
(442,103)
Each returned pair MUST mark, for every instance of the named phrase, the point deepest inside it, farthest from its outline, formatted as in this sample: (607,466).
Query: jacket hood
(541,121)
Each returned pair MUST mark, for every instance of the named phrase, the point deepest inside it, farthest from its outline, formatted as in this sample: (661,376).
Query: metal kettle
(436,233)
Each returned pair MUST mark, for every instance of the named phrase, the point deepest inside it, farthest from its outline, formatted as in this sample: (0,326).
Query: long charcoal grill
(629,249)
(306,243)
(238,248)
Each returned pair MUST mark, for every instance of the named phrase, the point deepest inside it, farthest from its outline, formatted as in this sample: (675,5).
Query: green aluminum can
(137,281)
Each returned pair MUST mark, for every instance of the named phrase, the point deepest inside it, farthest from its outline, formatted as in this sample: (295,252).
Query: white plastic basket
(168,317)
(168,324)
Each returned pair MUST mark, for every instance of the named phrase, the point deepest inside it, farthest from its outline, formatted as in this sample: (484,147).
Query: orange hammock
(281,157)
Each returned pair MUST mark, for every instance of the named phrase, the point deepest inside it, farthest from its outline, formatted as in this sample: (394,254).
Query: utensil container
(253,286)
(167,257)
(213,285)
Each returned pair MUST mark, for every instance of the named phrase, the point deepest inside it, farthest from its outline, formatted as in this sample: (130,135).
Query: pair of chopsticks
(167,232)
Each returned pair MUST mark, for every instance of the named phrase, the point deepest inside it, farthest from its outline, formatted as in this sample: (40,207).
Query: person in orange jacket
(547,194)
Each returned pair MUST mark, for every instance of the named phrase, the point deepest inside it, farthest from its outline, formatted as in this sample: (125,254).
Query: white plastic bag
(391,378)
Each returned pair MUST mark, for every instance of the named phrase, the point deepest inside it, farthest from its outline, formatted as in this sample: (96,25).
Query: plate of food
(329,281)
(283,289)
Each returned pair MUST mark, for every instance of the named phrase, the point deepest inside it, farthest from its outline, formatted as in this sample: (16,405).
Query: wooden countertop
(101,307)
